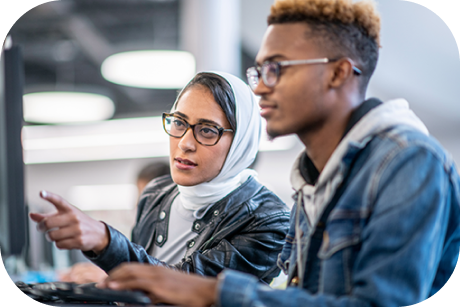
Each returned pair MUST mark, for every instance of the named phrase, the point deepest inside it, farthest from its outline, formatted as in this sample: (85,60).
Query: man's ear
(343,70)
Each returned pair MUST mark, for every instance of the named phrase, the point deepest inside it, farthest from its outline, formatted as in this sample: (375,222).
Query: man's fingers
(162,284)
(130,270)
(60,203)
(135,284)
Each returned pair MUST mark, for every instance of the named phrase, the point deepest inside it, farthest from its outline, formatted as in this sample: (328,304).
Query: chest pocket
(341,243)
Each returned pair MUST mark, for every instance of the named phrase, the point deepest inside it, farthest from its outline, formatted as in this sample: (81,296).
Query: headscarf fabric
(241,155)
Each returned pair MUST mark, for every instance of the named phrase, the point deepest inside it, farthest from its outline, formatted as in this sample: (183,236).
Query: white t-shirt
(179,233)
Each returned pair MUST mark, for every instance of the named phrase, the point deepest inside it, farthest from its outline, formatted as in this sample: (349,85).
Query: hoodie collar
(369,119)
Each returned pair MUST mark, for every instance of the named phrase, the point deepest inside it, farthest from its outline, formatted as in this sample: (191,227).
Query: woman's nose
(188,142)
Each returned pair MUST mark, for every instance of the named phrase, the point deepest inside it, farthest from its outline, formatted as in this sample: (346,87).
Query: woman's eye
(178,123)
(208,132)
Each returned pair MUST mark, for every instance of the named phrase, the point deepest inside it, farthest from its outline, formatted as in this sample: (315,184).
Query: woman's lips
(184,164)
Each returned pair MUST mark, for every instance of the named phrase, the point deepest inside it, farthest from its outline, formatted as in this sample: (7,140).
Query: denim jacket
(393,236)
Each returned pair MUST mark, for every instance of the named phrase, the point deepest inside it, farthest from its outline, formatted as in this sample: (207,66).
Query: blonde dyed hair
(343,27)
(362,14)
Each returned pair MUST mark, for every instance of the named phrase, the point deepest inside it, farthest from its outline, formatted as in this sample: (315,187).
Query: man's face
(297,103)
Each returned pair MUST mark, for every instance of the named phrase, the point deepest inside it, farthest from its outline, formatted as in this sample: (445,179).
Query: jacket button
(191,244)
(295,281)
(216,213)
(162,215)
(197,226)
(160,239)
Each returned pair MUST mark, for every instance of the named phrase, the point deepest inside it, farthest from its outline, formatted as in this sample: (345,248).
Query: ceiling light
(66,107)
(150,69)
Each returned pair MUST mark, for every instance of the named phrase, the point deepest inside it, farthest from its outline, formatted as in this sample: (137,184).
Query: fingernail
(100,285)
(41,226)
(47,236)
(43,194)
(112,285)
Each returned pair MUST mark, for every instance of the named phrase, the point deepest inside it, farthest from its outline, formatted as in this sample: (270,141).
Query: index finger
(60,203)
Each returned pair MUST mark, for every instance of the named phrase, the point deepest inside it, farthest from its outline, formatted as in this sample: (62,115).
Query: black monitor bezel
(13,212)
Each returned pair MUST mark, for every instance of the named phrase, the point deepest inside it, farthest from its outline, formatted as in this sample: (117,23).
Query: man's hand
(163,285)
(69,227)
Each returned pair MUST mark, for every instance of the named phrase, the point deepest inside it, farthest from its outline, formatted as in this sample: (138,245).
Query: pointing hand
(70,228)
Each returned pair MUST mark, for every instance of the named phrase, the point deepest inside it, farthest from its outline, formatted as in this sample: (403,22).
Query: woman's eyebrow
(200,120)
(181,114)
(208,121)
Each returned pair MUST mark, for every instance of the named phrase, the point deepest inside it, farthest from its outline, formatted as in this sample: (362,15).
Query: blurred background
(99,73)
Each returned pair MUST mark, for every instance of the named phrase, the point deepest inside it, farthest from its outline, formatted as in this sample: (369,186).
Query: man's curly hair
(343,28)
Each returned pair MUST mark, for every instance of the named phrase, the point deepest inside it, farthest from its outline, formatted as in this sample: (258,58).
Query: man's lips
(266,109)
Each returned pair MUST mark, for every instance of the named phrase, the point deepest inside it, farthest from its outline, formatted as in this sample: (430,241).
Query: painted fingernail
(43,194)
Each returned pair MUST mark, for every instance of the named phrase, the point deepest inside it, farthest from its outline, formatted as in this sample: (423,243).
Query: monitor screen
(13,215)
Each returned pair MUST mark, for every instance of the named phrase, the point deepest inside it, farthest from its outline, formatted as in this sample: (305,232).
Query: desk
(99,305)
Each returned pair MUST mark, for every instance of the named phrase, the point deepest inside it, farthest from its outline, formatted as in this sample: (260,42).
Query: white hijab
(242,153)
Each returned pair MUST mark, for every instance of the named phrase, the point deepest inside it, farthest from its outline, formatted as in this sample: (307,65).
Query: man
(378,200)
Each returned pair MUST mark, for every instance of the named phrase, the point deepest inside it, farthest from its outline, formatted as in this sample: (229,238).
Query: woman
(212,214)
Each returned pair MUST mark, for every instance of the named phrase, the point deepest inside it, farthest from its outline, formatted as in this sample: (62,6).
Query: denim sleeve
(403,242)
(243,290)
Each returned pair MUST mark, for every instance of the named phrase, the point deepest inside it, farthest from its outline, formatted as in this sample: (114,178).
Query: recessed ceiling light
(161,69)
(66,107)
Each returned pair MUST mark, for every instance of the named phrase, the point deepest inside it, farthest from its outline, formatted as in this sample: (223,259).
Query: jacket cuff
(235,289)
(107,259)
(283,265)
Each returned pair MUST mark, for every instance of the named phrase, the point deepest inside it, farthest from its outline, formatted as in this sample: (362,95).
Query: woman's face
(191,162)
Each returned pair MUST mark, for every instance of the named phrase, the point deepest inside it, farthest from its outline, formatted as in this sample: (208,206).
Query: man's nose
(261,88)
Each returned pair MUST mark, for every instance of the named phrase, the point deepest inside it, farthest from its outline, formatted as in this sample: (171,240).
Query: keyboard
(66,292)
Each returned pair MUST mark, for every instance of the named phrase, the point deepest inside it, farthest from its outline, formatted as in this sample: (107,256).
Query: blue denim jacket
(392,239)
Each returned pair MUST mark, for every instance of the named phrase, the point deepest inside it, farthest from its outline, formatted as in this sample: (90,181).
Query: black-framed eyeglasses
(205,134)
(270,71)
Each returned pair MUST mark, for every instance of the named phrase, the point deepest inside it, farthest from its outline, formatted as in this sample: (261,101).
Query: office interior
(94,162)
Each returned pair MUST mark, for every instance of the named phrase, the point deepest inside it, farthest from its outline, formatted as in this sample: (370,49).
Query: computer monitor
(13,212)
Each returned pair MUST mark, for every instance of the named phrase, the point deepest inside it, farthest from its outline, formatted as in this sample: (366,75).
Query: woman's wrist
(104,239)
